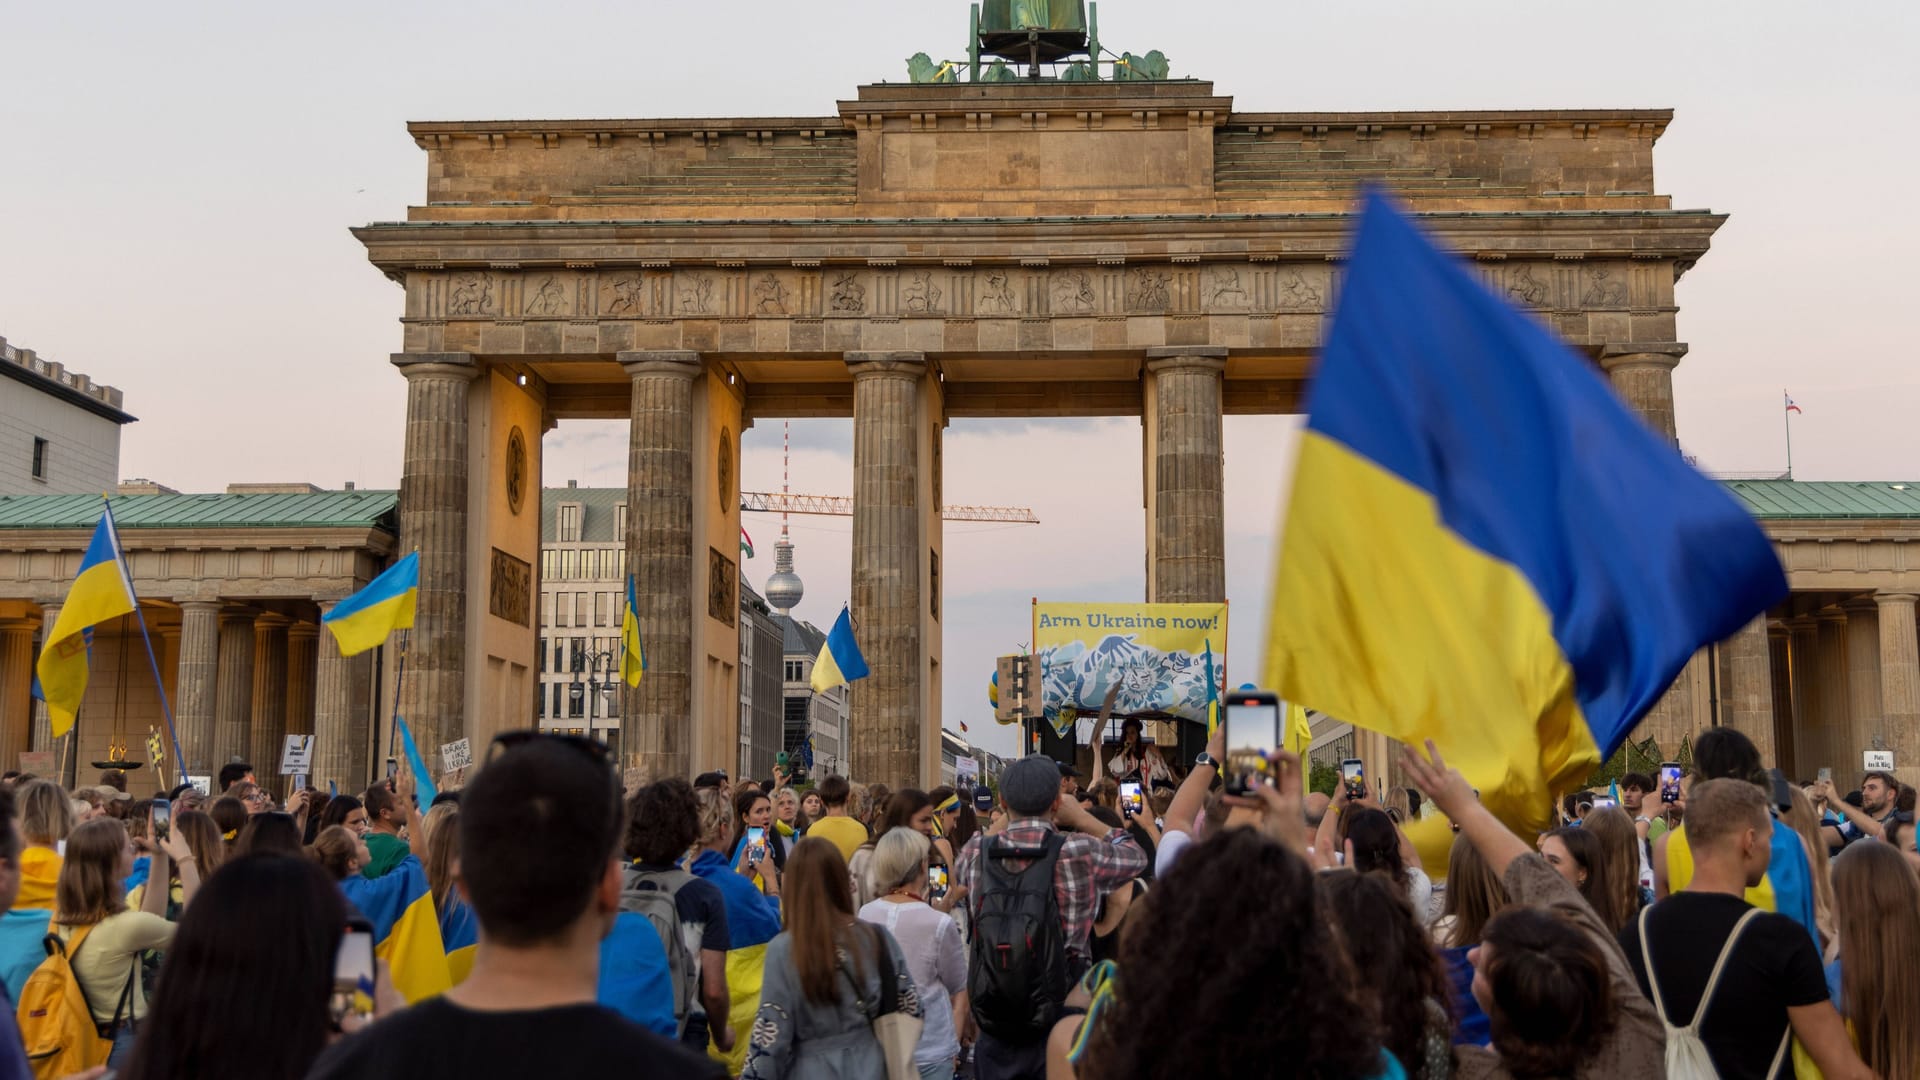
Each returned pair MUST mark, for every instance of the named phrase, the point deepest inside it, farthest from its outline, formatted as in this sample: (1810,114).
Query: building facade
(59,430)
(762,685)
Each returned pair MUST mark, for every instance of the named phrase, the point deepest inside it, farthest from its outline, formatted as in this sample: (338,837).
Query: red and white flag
(1791,407)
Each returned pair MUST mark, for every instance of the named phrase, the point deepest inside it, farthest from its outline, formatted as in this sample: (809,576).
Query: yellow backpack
(56,1023)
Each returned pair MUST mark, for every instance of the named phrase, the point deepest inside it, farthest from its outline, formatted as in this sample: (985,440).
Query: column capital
(441,365)
(1860,605)
(1802,622)
(233,613)
(200,605)
(1174,357)
(886,365)
(671,363)
(1890,597)
(303,630)
(1831,615)
(19,625)
(271,620)
(1662,354)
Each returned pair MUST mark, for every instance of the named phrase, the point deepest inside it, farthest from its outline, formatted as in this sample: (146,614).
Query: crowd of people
(1146,925)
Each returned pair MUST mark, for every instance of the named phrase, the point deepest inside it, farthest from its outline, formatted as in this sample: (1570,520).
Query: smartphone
(983,800)
(1132,802)
(1826,774)
(781,760)
(1353,773)
(1253,731)
(299,781)
(936,882)
(353,971)
(162,819)
(756,844)
(393,767)
(1669,781)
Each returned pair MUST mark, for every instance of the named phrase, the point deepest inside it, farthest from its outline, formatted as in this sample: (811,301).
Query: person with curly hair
(1395,966)
(663,822)
(1560,998)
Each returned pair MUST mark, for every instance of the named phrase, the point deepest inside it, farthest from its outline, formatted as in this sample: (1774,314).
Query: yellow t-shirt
(110,952)
(39,873)
(1680,872)
(845,833)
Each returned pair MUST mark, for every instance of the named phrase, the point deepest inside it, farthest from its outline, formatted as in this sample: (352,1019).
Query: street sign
(297,757)
(1879,760)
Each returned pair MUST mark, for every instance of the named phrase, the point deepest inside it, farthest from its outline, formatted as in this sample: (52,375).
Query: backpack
(657,903)
(56,1021)
(1017,976)
(1687,1057)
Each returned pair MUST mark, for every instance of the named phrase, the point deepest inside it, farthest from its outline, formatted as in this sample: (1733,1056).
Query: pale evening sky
(179,179)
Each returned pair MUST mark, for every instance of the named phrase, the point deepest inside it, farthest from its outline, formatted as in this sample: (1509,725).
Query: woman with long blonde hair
(1620,854)
(1475,894)
(1805,821)
(1876,982)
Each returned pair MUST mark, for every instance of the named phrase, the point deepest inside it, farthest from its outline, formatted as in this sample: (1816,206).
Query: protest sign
(1155,654)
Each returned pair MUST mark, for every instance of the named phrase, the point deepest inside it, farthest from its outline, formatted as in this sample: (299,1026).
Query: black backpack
(1017,977)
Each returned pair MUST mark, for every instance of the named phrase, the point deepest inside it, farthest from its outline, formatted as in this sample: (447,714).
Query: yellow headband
(230,834)
(951,802)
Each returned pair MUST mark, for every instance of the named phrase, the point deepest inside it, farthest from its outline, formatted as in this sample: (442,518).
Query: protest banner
(1155,654)
(297,756)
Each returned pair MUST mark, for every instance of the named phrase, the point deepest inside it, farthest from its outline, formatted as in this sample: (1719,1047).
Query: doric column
(302,654)
(1747,698)
(233,692)
(42,722)
(887,552)
(1863,680)
(1836,726)
(433,521)
(340,717)
(1808,743)
(1900,683)
(16,688)
(1187,515)
(269,692)
(1779,649)
(1642,375)
(656,718)
(195,678)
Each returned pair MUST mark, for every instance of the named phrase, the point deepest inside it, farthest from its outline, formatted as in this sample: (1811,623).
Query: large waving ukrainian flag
(1483,546)
(100,591)
(406,929)
(364,620)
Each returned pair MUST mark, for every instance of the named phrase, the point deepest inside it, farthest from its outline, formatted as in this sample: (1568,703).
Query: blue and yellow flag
(839,662)
(1484,547)
(459,936)
(406,929)
(364,620)
(1299,733)
(424,787)
(1213,693)
(633,656)
(100,591)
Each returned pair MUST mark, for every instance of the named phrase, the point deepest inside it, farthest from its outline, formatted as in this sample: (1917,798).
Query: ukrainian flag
(839,662)
(633,657)
(459,936)
(1299,734)
(364,620)
(100,591)
(1213,693)
(1484,547)
(406,930)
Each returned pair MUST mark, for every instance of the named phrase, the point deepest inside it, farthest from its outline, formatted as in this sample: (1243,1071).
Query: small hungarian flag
(746,542)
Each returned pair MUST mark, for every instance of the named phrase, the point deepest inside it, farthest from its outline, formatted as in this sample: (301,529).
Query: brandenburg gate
(925,251)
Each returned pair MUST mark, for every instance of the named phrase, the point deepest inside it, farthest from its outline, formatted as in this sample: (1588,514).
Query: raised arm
(1454,796)
(1191,797)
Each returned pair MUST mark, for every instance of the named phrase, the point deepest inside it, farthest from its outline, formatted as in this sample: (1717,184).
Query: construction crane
(781,502)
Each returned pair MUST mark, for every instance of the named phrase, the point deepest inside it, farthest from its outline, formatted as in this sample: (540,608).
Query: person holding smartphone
(1136,756)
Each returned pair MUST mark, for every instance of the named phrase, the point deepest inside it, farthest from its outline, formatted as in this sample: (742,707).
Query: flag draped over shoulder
(1483,545)
(633,656)
(459,936)
(100,591)
(839,662)
(364,620)
(406,929)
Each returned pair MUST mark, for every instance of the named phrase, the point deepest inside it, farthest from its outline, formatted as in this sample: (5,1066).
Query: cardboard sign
(457,754)
(37,762)
(297,757)
(1876,760)
(202,784)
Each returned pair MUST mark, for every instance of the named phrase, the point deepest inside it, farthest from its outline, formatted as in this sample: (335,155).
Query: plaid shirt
(1088,869)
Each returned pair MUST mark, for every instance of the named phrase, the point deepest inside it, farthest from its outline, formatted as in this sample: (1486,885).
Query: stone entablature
(1850,554)
(178,565)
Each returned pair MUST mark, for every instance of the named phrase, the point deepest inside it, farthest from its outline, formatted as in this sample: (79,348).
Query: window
(543,656)
(620,523)
(562,610)
(602,603)
(546,609)
(577,654)
(569,523)
(579,609)
(549,563)
(576,701)
(794,673)
(39,458)
(569,565)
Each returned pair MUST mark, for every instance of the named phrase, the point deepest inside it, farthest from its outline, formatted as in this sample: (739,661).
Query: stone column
(1836,726)
(656,718)
(1779,648)
(1808,742)
(302,654)
(233,697)
(269,692)
(1642,374)
(195,678)
(887,552)
(1747,697)
(433,520)
(340,717)
(42,722)
(1863,681)
(1188,515)
(1900,683)
(16,688)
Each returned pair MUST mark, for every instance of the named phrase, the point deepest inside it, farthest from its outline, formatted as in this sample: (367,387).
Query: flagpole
(153,663)
(1787,419)
(399,675)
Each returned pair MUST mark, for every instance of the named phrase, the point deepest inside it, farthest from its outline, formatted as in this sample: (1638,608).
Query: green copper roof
(1808,499)
(339,509)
